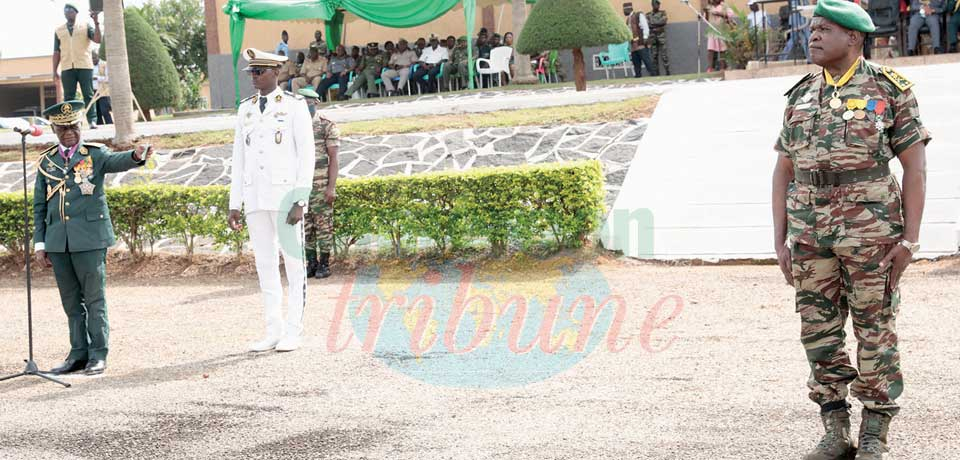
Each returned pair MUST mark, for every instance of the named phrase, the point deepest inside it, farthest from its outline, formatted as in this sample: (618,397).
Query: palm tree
(118,68)
(524,76)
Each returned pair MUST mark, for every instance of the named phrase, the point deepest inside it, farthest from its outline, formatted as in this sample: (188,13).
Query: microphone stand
(31,368)
(700,19)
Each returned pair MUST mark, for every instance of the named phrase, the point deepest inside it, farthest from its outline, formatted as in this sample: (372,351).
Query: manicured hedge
(518,206)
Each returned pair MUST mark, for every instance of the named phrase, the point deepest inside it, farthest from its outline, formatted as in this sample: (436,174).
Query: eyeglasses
(257,72)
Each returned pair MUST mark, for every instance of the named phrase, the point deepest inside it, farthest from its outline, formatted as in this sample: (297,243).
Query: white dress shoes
(266,344)
(288,343)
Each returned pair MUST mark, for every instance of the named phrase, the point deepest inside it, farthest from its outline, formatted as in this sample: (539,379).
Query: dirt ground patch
(722,378)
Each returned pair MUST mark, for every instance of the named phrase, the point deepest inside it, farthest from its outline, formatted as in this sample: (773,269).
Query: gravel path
(726,383)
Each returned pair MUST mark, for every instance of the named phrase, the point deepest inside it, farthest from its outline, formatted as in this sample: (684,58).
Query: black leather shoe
(95,367)
(68,366)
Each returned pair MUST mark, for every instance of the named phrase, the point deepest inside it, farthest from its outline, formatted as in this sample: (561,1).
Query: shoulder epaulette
(51,150)
(802,81)
(42,156)
(248,98)
(94,144)
(898,80)
(295,96)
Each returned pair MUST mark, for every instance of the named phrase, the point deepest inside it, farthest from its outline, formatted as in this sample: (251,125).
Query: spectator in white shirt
(100,86)
(430,63)
(757,18)
(760,23)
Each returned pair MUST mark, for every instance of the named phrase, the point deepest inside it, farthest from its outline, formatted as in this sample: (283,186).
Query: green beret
(846,14)
(307,92)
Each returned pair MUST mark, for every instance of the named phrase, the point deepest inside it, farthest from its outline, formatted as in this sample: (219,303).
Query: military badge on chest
(82,174)
(281,118)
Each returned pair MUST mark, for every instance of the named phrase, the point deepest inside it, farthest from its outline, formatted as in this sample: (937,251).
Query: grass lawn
(641,107)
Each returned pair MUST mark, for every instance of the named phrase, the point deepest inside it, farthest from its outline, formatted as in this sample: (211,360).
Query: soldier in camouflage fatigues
(657,20)
(318,223)
(459,62)
(369,70)
(844,217)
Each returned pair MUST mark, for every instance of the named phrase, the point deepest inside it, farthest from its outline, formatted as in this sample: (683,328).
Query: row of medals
(858,108)
(86,187)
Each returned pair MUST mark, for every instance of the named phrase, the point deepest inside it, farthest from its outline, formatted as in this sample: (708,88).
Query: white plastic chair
(499,62)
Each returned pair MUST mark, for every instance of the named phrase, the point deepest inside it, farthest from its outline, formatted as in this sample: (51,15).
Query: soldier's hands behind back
(896,260)
(233,220)
(295,215)
(784,259)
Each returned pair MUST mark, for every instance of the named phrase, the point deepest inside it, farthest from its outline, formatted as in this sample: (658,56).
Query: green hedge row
(521,206)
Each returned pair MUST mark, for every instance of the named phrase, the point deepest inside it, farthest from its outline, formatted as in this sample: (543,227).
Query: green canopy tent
(388,13)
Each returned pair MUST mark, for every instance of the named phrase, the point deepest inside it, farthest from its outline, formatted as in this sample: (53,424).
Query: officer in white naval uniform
(273,157)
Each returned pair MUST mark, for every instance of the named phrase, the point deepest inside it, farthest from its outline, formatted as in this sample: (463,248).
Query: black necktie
(263,104)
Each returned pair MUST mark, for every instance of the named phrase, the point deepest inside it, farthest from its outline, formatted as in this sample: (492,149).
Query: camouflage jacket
(459,55)
(326,134)
(657,22)
(816,136)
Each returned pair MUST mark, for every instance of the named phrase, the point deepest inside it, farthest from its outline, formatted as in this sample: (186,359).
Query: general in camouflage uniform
(369,71)
(319,221)
(844,224)
(460,62)
(657,20)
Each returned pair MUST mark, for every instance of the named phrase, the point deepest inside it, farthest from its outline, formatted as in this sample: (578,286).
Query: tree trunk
(119,70)
(523,74)
(579,73)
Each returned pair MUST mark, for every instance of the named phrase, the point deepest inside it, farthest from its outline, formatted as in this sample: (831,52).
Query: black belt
(821,178)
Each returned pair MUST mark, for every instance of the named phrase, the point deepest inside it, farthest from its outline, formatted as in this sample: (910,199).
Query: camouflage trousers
(318,224)
(831,284)
(658,47)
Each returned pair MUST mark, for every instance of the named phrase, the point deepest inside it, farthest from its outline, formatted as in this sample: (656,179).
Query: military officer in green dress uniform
(368,71)
(72,231)
(844,230)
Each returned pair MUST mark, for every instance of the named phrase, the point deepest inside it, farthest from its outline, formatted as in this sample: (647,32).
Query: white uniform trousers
(270,235)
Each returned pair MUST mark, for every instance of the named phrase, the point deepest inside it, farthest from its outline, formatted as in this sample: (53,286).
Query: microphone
(32,130)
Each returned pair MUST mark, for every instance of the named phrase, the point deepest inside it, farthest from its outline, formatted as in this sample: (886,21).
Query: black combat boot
(323,268)
(312,265)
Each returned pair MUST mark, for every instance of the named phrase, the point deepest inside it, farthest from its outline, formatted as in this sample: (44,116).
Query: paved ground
(715,186)
(486,101)
(730,384)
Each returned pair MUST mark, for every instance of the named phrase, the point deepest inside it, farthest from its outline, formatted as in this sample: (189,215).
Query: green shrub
(153,78)
(742,40)
(571,24)
(11,223)
(518,206)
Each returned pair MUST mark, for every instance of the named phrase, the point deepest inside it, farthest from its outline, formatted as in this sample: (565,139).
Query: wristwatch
(912,247)
(301,203)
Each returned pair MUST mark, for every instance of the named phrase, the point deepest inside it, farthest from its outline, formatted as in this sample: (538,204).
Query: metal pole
(31,368)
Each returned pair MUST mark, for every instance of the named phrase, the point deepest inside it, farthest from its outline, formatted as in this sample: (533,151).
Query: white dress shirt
(434,56)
